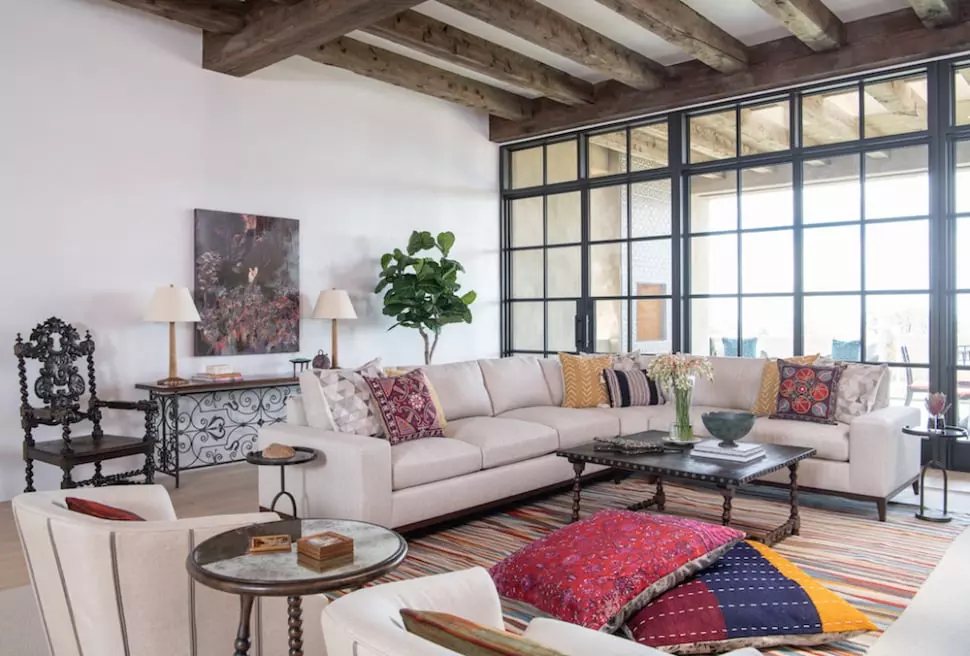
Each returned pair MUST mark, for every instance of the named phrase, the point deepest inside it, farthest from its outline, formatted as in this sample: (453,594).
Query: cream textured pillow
(348,399)
(626,361)
(764,405)
(582,378)
(858,388)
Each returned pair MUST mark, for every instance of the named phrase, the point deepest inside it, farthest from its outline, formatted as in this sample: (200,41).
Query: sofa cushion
(339,399)
(406,406)
(552,372)
(767,399)
(582,378)
(503,441)
(831,441)
(514,383)
(461,389)
(735,385)
(433,459)
(575,426)
(808,392)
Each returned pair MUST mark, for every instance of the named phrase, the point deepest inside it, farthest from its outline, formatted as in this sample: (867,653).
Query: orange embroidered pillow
(582,379)
(764,405)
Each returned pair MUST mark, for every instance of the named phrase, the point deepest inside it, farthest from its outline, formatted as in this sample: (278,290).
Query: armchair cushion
(469,638)
(101,510)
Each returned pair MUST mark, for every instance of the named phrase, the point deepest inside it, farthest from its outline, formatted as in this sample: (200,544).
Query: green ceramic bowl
(729,427)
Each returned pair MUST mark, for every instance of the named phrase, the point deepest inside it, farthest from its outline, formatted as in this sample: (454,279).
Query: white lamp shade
(334,304)
(172,304)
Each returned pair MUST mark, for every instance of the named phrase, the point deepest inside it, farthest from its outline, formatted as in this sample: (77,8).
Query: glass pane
(648,144)
(832,190)
(833,326)
(652,325)
(713,322)
(963,330)
(831,259)
(897,255)
(610,327)
(910,386)
(562,160)
(651,265)
(766,197)
(963,399)
(897,183)
(561,325)
(963,263)
(714,264)
(564,272)
(767,327)
(962,181)
(563,221)
(767,262)
(898,324)
(713,136)
(895,106)
(607,154)
(830,117)
(650,203)
(526,326)
(527,222)
(961,96)
(765,128)
(607,270)
(527,167)
(527,274)
(607,213)
(714,201)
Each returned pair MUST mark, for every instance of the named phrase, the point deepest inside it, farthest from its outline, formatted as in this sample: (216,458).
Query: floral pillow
(807,392)
(406,406)
(858,388)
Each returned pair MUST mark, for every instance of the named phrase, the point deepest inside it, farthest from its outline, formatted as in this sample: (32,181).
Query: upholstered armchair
(118,588)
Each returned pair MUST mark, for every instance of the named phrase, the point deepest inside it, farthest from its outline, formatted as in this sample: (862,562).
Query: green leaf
(445,241)
(469,298)
(414,243)
(386,259)
(381,285)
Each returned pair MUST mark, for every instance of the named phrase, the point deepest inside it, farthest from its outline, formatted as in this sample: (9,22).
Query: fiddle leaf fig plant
(422,292)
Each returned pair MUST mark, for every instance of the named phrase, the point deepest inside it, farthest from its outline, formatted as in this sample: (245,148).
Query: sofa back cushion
(461,389)
(736,383)
(552,372)
(514,383)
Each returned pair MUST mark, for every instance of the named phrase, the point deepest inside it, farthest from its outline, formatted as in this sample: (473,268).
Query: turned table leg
(578,467)
(728,493)
(659,496)
(242,635)
(294,607)
(796,522)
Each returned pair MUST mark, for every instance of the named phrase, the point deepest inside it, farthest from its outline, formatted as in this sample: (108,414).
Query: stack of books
(218,373)
(742,453)
(323,551)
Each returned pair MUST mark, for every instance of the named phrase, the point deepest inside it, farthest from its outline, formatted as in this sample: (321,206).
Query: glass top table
(941,441)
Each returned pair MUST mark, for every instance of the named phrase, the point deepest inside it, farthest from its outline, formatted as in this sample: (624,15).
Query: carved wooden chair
(57,346)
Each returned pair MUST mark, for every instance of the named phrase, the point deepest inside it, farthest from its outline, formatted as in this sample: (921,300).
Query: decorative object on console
(269,543)
(631,387)
(423,291)
(321,360)
(728,426)
(937,407)
(101,510)
(462,636)
(807,392)
(340,400)
(407,409)
(333,304)
(764,405)
(858,388)
(299,365)
(751,597)
(677,372)
(276,451)
(169,305)
(599,571)
(247,283)
(582,379)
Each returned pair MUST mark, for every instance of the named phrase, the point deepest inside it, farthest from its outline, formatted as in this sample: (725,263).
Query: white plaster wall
(111,133)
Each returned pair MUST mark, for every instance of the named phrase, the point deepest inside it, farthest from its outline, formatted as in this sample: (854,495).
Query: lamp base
(173,382)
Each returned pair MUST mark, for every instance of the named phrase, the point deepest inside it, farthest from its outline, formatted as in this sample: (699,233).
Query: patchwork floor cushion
(751,597)
(600,571)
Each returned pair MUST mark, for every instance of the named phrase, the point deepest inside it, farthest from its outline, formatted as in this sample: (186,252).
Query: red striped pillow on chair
(100,510)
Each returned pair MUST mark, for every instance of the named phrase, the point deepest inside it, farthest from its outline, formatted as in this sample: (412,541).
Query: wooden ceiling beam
(936,13)
(409,74)
(676,23)
(642,146)
(274,32)
(536,23)
(216,16)
(810,21)
(440,40)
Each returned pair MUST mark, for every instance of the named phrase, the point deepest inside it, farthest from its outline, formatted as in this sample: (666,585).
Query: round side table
(941,440)
(302,455)
(223,562)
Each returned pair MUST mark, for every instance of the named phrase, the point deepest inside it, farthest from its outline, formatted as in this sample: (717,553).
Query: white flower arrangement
(678,371)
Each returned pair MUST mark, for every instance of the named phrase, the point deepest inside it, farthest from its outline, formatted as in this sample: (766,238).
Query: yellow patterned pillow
(400,371)
(764,405)
(582,379)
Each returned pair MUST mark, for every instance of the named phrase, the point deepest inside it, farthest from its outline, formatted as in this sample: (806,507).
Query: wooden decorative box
(325,546)
(269,543)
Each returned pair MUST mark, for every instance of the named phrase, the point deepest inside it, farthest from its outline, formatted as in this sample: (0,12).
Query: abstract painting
(247,283)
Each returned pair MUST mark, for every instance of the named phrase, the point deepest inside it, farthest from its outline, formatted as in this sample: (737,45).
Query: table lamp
(171,304)
(333,304)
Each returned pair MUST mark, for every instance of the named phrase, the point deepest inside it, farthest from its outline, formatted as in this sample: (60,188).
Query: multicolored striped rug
(877,567)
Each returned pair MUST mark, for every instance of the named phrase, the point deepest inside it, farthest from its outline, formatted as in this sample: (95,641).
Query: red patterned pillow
(406,405)
(100,510)
(603,569)
(807,392)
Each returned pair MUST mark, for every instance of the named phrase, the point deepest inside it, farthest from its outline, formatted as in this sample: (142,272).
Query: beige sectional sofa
(505,421)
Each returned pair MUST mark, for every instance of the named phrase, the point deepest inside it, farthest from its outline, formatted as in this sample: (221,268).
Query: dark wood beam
(534,22)
(216,16)
(440,40)
(274,32)
(407,73)
(810,21)
(935,13)
(676,23)
(879,41)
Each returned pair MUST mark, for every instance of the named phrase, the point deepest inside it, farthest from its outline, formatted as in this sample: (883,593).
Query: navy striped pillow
(631,388)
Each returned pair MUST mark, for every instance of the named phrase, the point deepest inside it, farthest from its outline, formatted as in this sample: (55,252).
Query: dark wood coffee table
(725,476)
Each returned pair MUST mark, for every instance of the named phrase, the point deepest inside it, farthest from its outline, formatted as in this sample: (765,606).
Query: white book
(729,458)
(713,446)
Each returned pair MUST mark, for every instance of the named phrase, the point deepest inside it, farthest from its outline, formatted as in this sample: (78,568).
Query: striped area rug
(877,567)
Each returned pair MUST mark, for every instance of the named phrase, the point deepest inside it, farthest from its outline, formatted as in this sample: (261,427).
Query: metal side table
(941,443)
(302,455)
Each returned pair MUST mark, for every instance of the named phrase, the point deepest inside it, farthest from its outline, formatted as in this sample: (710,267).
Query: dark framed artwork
(247,283)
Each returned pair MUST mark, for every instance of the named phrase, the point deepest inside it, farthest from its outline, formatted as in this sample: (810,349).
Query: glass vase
(682,429)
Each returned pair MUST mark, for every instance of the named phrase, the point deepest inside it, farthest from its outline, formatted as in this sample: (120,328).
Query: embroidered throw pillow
(346,399)
(407,410)
(751,597)
(469,638)
(764,405)
(600,571)
(582,378)
(807,392)
(630,388)
(400,371)
(100,510)
(858,388)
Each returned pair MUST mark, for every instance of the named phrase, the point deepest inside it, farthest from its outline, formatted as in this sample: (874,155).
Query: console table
(204,423)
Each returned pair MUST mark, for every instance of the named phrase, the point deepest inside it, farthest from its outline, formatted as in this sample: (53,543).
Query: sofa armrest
(350,479)
(881,458)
